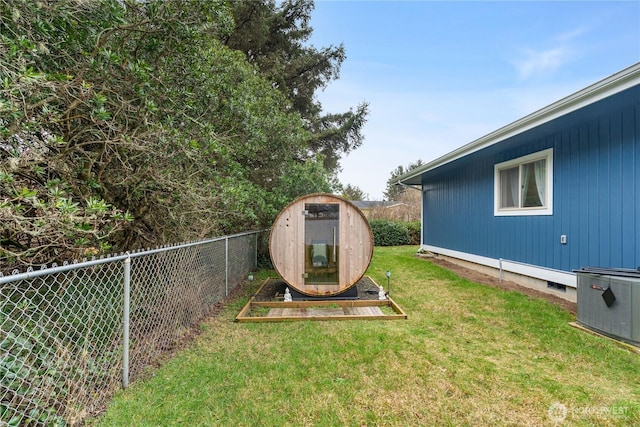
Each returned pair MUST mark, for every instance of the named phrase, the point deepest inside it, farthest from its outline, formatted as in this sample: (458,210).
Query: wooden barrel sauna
(321,245)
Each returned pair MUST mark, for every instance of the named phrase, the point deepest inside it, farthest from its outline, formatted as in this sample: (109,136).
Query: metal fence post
(226,266)
(255,260)
(125,323)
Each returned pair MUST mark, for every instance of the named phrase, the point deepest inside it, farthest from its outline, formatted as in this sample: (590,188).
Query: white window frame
(547,208)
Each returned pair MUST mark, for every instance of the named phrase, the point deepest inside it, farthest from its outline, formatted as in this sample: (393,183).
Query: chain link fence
(72,335)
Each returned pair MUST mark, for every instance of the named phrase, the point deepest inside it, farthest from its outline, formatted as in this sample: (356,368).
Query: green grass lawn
(467,355)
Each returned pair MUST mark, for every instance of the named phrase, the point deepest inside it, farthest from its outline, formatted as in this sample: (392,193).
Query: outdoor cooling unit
(609,302)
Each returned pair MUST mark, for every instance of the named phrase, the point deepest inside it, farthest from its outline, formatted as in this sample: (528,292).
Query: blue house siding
(596,193)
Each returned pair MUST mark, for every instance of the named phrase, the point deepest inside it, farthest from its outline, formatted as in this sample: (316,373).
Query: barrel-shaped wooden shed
(321,244)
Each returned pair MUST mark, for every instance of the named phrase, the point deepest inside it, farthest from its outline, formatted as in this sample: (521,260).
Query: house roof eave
(611,85)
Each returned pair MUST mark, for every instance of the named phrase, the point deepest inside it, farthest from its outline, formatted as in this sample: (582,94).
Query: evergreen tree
(352,192)
(275,39)
(393,192)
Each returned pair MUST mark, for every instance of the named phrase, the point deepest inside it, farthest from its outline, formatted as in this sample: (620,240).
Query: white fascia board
(538,272)
(625,79)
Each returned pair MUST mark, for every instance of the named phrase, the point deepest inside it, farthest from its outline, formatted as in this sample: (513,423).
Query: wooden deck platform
(335,309)
(325,312)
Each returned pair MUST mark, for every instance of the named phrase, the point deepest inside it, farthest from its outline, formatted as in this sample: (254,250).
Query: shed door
(321,234)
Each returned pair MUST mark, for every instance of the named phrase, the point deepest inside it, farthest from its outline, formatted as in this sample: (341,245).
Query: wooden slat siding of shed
(286,251)
(346,247)
(355,249)
(317,289)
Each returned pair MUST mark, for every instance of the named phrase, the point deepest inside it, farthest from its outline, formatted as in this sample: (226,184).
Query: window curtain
(509,188)
(540,169)
(533,184)
(525,185)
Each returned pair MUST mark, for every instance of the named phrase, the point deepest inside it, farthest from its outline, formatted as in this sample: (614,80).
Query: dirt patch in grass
(486,279)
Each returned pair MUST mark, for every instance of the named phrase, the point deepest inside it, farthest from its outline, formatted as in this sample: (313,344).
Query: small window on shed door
(523,186)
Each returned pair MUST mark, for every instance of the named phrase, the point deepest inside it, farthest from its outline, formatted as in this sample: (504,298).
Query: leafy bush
(389,233)
(414,228)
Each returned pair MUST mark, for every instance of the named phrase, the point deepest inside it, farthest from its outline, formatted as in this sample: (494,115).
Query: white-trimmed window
(524,186)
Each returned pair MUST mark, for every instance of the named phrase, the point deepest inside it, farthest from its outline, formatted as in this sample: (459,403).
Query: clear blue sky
(438,75)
